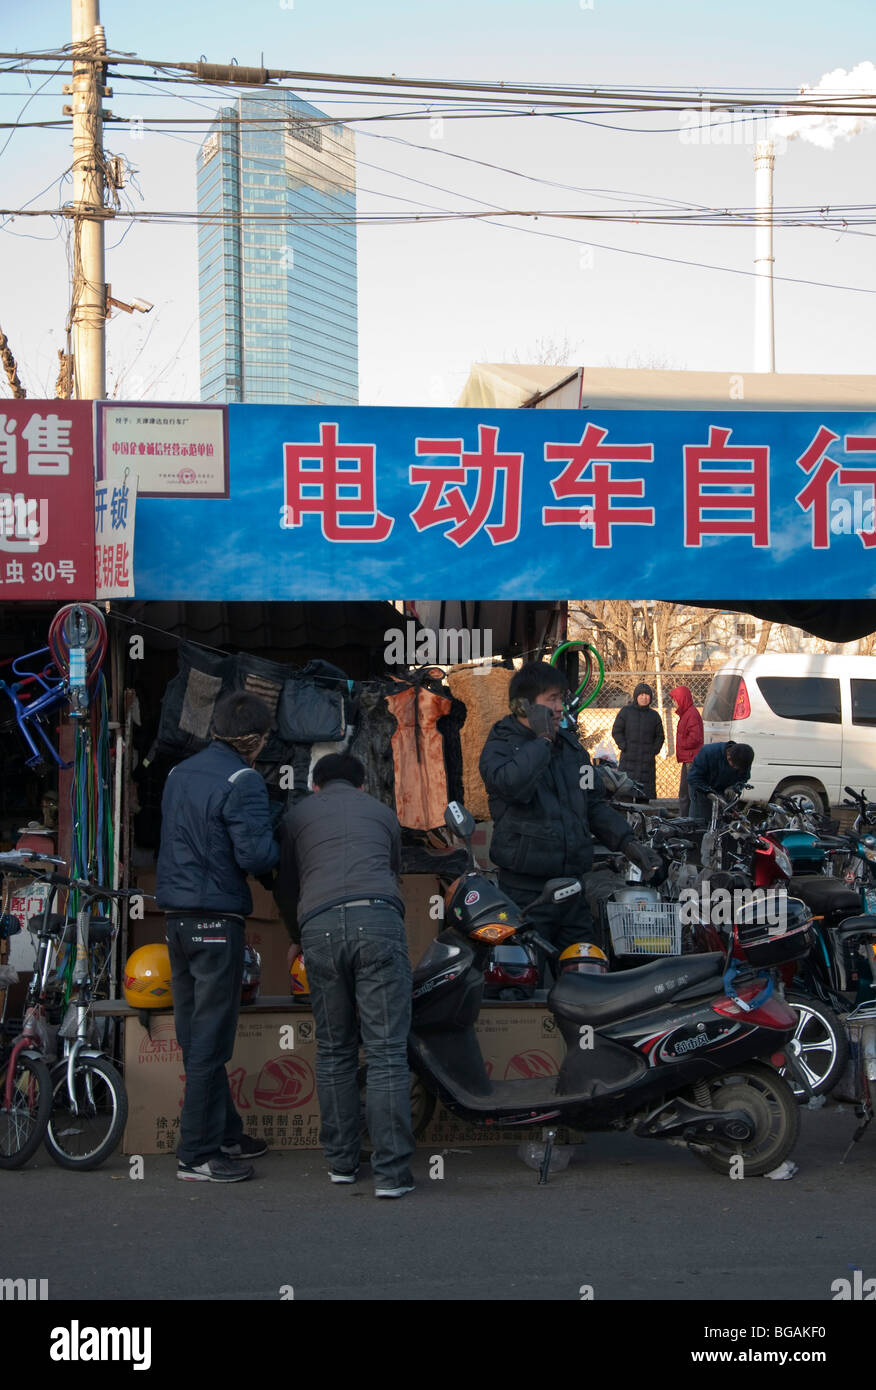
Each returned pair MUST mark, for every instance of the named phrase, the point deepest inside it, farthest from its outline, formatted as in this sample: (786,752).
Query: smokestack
(764,323)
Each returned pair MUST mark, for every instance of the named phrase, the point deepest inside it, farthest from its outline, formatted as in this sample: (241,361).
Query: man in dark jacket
(547,804)
(716,768)
(337,889)
(639,734)
(688,739)
(215,829)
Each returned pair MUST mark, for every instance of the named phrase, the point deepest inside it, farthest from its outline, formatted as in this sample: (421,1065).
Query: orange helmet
(583,958)
(147,978)
(299,976)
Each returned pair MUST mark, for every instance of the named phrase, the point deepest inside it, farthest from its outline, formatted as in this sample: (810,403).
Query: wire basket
(652,929)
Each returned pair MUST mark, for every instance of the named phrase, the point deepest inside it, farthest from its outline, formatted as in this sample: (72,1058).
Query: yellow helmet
(147,978)
(299,976)
(584,959)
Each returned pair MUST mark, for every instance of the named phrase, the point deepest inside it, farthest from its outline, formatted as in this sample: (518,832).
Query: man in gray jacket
(337,890)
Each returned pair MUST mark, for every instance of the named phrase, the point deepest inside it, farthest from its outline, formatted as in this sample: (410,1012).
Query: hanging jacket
(544,821)
(689,736)
(639,734)
(418,756)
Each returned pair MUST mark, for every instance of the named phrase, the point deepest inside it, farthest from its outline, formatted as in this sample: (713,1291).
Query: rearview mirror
(459,821)
(559,889)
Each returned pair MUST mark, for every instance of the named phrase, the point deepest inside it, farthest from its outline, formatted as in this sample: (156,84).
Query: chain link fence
(618,687)
(595,722)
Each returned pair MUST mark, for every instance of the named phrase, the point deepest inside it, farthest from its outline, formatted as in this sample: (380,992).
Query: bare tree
(624,632)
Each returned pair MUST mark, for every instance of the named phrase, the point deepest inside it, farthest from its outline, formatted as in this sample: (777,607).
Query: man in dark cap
(215,829)
(639,734)
(717,767)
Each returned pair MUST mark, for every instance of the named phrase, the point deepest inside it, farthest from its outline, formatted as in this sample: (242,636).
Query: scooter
(678,1049)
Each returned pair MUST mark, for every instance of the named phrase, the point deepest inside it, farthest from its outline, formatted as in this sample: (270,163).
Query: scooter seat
(600,999)
(824,896)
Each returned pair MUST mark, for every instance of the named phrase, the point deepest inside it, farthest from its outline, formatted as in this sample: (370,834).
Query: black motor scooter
(671,1050)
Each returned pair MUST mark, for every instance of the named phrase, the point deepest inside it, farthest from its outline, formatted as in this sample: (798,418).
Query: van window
(813,698)
(863,702)
(721,699)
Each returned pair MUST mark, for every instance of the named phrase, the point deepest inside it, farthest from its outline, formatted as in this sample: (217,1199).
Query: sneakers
(393,1191)
(335,1176)
(216,1169)
(245,1148)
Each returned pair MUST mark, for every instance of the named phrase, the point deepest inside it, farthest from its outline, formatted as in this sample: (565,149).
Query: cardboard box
(266,933)
(273,1078)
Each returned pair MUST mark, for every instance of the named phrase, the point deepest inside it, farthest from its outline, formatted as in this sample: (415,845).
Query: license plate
(870,900)
(634,874)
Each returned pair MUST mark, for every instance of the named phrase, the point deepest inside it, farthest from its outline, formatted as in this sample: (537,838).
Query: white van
(811,721)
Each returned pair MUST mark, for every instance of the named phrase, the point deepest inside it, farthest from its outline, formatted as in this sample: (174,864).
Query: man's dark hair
(533,679)
(338,767)
(239,714)
(741,756)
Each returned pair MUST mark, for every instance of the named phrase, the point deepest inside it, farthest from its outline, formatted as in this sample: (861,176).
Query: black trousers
(206,958)
(562,924)
(683,793)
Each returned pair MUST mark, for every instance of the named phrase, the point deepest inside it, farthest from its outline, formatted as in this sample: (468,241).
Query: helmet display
(583,958)
(512,973)
(252,975)
(299,976)
(147,978)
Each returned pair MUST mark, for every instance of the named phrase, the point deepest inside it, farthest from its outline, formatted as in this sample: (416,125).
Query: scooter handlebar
(539,941)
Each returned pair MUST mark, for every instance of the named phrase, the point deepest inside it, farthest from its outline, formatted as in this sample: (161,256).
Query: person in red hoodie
(689,739)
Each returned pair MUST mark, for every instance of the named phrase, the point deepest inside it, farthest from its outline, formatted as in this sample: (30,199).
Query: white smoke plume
(824,130)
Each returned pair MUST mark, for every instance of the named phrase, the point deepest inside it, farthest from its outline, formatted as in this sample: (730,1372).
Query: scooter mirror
(559,889)
(459,821)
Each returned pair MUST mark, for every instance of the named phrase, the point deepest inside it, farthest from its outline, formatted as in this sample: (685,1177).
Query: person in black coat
(547,805)
(639,734)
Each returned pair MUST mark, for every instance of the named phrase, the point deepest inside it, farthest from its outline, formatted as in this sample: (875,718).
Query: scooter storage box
(788,936)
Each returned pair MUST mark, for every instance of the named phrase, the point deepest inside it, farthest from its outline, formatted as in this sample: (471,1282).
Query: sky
(433,299)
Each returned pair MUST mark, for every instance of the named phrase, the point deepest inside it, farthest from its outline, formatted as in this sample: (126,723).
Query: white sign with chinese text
(177,450)
(115,508)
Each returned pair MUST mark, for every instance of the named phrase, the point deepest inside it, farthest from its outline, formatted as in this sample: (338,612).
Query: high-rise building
(277,255)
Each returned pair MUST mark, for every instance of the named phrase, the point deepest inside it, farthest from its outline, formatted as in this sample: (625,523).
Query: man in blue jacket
(716,768)
(215,829)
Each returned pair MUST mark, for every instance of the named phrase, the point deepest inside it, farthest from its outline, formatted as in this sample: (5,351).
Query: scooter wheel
(768,1100)
(823,1046)
(422,1106)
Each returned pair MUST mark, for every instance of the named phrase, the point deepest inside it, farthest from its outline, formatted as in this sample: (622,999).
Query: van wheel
(809,792)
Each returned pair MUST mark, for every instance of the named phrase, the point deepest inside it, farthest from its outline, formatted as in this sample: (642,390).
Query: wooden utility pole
(88,307)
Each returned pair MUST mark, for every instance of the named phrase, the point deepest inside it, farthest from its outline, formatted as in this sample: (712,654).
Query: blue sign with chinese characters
(378,503)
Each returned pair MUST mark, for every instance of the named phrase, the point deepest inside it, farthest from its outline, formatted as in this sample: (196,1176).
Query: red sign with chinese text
(46,500)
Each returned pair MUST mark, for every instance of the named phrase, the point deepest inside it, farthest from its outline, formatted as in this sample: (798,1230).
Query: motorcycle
(679,1049)
(818,987)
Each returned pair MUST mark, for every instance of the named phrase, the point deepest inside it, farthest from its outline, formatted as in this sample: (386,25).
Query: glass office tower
(276,262)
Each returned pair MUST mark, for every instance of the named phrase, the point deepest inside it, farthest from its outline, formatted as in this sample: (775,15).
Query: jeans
(358,957)
(206,958)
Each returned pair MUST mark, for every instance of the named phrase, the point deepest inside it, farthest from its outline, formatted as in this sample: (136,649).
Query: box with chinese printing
(273,1078)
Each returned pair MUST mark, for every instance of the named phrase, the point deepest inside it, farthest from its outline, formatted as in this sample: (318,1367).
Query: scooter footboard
(457,1055)
(595,1065)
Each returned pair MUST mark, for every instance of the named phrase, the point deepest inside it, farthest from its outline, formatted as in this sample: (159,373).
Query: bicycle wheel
(23,1125)
(86,1138)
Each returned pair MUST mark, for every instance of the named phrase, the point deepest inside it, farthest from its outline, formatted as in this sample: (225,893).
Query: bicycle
(88,1100)
(25,1080)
